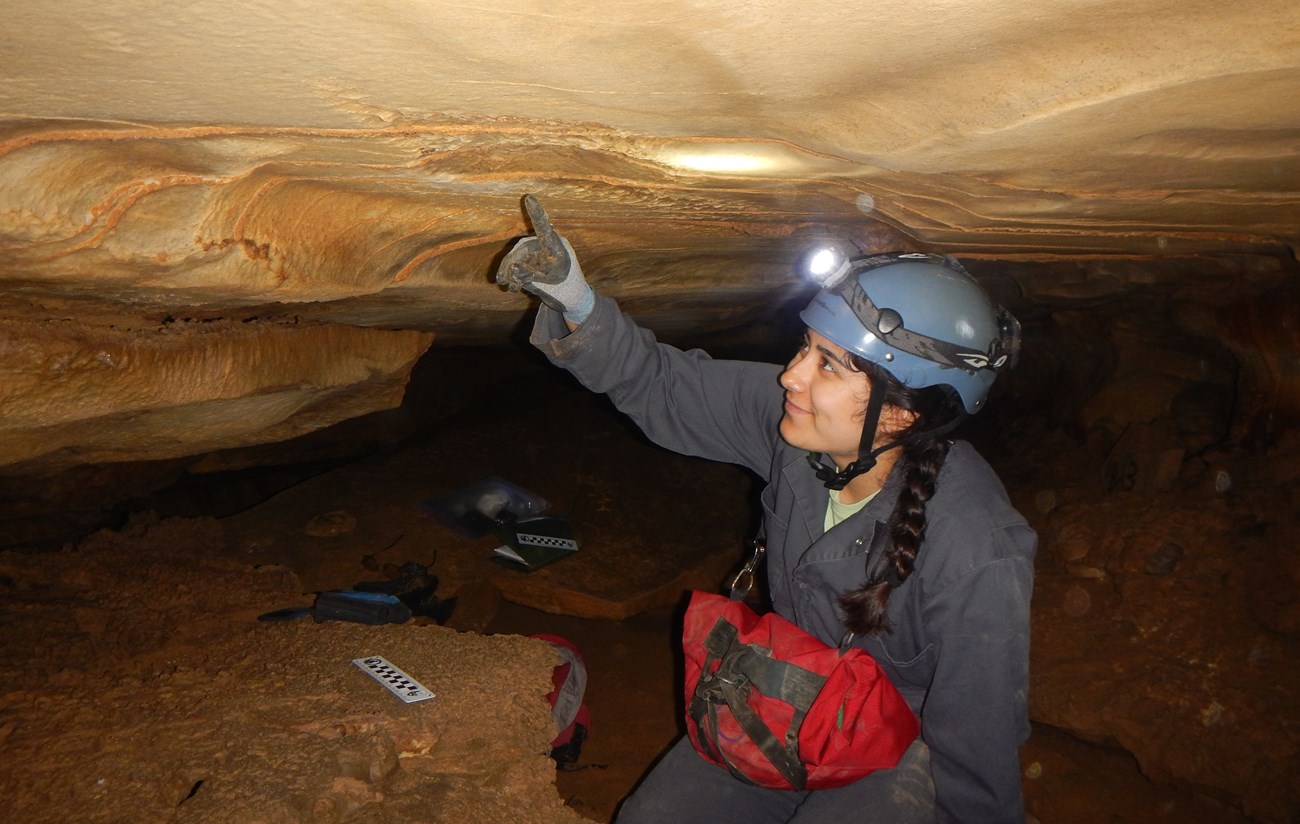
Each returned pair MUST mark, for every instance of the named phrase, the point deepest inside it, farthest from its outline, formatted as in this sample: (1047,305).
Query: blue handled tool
(347,605)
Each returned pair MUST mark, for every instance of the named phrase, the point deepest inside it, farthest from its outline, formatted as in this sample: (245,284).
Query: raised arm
(684,401)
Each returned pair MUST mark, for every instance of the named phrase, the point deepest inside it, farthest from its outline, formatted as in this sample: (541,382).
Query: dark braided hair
(921,460)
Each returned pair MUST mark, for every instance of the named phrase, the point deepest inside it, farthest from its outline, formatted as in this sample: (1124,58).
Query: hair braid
(864,608)
(907,523)
(921,461)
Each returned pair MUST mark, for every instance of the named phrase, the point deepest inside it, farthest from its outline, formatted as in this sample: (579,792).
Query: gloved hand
(546,266)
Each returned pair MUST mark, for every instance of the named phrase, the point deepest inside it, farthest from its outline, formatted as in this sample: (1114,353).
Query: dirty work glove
(546,266)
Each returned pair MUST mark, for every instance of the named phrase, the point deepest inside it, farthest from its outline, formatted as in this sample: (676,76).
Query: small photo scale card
(398,683)
(534,542)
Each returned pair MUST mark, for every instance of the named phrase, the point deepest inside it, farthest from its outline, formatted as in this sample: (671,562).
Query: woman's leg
(903,795)
(683,788)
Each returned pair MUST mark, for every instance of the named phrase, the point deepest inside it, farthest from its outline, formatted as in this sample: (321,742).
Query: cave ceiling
(185,188)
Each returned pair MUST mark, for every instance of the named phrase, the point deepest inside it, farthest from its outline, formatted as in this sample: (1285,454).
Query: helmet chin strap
(835,478)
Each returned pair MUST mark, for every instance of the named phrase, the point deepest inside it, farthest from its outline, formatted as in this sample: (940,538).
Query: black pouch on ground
(409,592)
(414,586)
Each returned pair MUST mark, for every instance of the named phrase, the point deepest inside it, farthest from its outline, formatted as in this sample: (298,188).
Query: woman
(879,531)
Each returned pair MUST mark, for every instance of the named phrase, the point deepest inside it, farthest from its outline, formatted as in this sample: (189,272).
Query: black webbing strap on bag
(743,669)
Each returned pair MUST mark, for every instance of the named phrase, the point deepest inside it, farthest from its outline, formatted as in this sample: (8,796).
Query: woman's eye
(827,365)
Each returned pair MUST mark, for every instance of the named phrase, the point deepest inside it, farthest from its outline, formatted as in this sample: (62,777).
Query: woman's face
(825,400)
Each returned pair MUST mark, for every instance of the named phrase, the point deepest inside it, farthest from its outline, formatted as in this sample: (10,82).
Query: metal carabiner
(744,580)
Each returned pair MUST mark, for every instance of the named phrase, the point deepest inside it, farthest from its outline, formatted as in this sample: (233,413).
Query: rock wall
(1159,468)
(76,392)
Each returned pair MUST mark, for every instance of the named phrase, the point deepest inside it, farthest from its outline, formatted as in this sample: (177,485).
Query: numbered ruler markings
(398,683)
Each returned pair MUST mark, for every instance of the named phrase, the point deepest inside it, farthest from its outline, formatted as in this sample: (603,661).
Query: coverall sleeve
(684,401)
(975,716)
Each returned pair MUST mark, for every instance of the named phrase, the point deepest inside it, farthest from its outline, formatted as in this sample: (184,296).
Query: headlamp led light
(828,266)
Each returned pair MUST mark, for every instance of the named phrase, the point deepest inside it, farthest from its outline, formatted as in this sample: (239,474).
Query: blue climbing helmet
(922,318)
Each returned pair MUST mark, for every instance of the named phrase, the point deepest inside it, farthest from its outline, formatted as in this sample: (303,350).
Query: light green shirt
(837,512)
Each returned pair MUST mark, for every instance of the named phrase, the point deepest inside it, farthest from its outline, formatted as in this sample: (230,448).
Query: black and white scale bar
(548,541)
(398,683)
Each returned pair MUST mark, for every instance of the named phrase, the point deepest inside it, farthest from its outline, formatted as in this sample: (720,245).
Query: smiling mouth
(791,407)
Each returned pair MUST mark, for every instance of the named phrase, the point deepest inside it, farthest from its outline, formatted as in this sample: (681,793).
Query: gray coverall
(959,646)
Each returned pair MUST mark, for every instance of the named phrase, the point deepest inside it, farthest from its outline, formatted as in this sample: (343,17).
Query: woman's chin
(788,432)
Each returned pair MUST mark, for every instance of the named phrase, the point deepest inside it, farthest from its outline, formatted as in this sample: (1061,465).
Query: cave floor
(653,525)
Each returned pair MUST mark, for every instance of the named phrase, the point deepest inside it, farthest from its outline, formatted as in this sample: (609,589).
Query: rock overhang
(300,167)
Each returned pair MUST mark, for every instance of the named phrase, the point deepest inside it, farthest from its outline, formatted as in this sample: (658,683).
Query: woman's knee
(683,788)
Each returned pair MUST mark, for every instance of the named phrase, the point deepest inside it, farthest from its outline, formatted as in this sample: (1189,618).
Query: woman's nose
(792,379)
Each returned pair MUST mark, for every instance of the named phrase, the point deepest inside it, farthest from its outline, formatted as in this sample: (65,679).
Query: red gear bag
(778,708)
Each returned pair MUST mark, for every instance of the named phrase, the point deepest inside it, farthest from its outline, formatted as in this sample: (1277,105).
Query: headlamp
(827,266)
